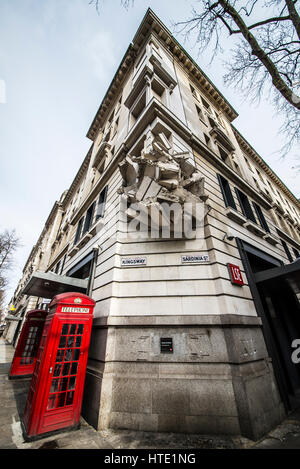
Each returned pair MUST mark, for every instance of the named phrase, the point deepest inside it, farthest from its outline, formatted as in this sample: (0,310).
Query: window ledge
(288,217)
(97,227)
(278,207)
(267,196)
(86,237)
(218,134)
(271,239)
(255,228)
(235,216)
(101,154)
(65,225)
(73,251)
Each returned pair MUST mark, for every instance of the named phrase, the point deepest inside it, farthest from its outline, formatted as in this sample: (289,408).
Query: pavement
(13,398)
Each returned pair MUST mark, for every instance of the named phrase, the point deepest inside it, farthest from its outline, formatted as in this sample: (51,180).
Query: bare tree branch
(266,54)
(8,245)
(293,15)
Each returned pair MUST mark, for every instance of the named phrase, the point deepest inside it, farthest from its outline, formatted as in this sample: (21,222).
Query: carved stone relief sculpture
(160,177)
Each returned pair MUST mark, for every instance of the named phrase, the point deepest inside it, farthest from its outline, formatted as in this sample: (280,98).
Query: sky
(57,59)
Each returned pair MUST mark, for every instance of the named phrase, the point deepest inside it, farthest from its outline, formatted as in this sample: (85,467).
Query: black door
(279,308)
(282,311)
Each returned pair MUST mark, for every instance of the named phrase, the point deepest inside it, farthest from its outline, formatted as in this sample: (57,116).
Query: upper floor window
(194,92)
(226,192)
(287,251)
(89,218)
(261,217)
(259,175)
(78,231)
(140,61)
(248,164)
(57,268)
(101,203)
(138,107)
(206,105)
(226,157)
(245,205)
(94,212)
(296,252)
(199,112)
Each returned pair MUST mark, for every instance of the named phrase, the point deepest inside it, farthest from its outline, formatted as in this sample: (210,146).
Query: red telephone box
(25,354)
(55,395)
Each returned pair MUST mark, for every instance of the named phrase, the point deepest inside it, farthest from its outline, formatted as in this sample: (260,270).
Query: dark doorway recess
(274,287)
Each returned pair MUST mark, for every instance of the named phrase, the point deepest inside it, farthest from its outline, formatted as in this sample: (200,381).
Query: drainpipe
(89,289)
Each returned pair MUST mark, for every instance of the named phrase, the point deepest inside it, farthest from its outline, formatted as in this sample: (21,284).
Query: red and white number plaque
(235,274)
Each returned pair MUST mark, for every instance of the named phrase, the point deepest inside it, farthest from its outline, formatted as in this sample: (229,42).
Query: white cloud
(102,52)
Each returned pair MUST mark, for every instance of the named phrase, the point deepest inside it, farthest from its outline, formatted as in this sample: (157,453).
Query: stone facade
(164,133)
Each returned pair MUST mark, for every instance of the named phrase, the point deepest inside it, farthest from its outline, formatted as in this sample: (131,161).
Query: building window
(199,112)
(245,205)
(63,264)
(259,175)
(119,103)
(140,61)
(138,108)
(115,127)
(296,252)
(57,268)
(207,140)
(206,105)
(226,192)
(101,204)
(194,93)
(248,164)
(287,251)
(225,156)
(78,232)
(89,218)
(261,217)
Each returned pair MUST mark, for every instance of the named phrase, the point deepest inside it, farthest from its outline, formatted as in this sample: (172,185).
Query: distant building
(190,334)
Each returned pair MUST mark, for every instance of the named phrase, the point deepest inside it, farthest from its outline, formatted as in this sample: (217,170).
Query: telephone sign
(235,274)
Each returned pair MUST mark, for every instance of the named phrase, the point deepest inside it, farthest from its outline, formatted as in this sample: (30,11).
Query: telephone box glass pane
(30,346)
(57,370)
(70,342)
(65,329)
(70,397)
(62,342)
(72,382)
(61,400)
(65,370)
(60,356)
(54,385)
(68,356)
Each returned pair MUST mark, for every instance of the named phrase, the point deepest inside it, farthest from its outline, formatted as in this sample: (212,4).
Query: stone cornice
(249,150)
(52,214)
(78,177)
(151,23)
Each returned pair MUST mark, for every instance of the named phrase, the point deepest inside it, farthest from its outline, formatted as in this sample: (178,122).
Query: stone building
(188,242)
